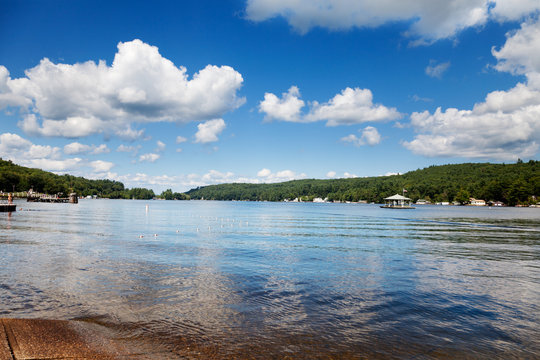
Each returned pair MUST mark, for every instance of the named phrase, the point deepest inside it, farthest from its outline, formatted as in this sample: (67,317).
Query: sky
(180,94)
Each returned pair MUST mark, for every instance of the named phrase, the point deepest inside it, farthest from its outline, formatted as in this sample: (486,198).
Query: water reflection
(274,280)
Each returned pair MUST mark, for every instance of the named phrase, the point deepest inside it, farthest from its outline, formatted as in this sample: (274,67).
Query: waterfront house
(477,202)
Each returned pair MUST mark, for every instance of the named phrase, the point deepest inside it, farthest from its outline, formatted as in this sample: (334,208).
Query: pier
(72,199)
(8,207)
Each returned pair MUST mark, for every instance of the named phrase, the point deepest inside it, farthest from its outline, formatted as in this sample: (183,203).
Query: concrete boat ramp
(25,339)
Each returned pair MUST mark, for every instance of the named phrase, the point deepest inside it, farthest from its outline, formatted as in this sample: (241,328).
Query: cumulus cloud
(22,151)
(149,157)
(76,148)
(264,173)
(267,176)
(100,166)
(140,86)
(128,148)
(370,136)
(430,20)
(180,139)
(331,174)
(437,70)
(208,131)
(185,182)
(506,126)
(351,106)
(287,108)
(521,52)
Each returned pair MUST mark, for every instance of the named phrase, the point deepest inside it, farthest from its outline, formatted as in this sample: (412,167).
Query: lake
(281,280)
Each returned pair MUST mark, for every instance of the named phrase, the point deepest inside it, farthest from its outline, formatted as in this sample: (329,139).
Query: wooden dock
(72,199)
(8,207)
(47,199)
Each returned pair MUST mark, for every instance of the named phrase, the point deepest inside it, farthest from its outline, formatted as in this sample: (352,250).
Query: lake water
(281,280)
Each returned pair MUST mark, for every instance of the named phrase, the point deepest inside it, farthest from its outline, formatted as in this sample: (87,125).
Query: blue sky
(181,94)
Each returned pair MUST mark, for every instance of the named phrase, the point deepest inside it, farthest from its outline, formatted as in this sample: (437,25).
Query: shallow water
(275,280)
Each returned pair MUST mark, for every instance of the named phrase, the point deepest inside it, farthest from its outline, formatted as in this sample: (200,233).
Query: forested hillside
(19,178)
(510,183)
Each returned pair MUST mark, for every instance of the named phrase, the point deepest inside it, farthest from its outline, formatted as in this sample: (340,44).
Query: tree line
(511,184)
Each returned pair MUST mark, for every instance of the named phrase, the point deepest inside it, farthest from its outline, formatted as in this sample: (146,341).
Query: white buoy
(146,208)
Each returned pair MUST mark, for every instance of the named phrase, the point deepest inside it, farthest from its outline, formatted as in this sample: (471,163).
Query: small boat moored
(397,202)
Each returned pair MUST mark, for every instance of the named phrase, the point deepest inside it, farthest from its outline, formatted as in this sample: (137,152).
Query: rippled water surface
(277,280)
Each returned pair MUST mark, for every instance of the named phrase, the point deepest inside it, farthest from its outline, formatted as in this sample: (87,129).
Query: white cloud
(437,70)
(264,173)
(129,134)
(514,10)
(208,132)
(287,108)
(130,148)
(347,175)
(140,86)
(188,181)
(23,152)
(370,136)
(351,106)
(76,148)
(506,126)
(101,166)
(59,166)
(521,52)
(267,176)
(160,146)
(180,139)
(331,174)
(149,157)
(429,20)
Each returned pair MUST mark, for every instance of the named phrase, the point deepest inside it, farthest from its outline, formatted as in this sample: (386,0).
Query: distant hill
(509,183)
(20,178)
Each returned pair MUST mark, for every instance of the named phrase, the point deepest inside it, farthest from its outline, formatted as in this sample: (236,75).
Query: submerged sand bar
(24,339)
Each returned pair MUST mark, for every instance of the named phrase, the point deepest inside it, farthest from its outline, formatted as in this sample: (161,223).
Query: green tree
(462,196)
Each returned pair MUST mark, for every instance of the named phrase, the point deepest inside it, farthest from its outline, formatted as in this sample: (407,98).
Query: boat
(397,202)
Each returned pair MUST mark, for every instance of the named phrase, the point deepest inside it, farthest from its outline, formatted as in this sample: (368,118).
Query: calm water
(277,280)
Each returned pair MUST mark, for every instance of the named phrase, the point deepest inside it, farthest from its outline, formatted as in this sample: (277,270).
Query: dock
(8,207)
(47,199)
(72,199)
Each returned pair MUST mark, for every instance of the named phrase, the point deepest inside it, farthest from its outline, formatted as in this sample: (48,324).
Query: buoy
(146,208)
(141,236)
(155,235)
